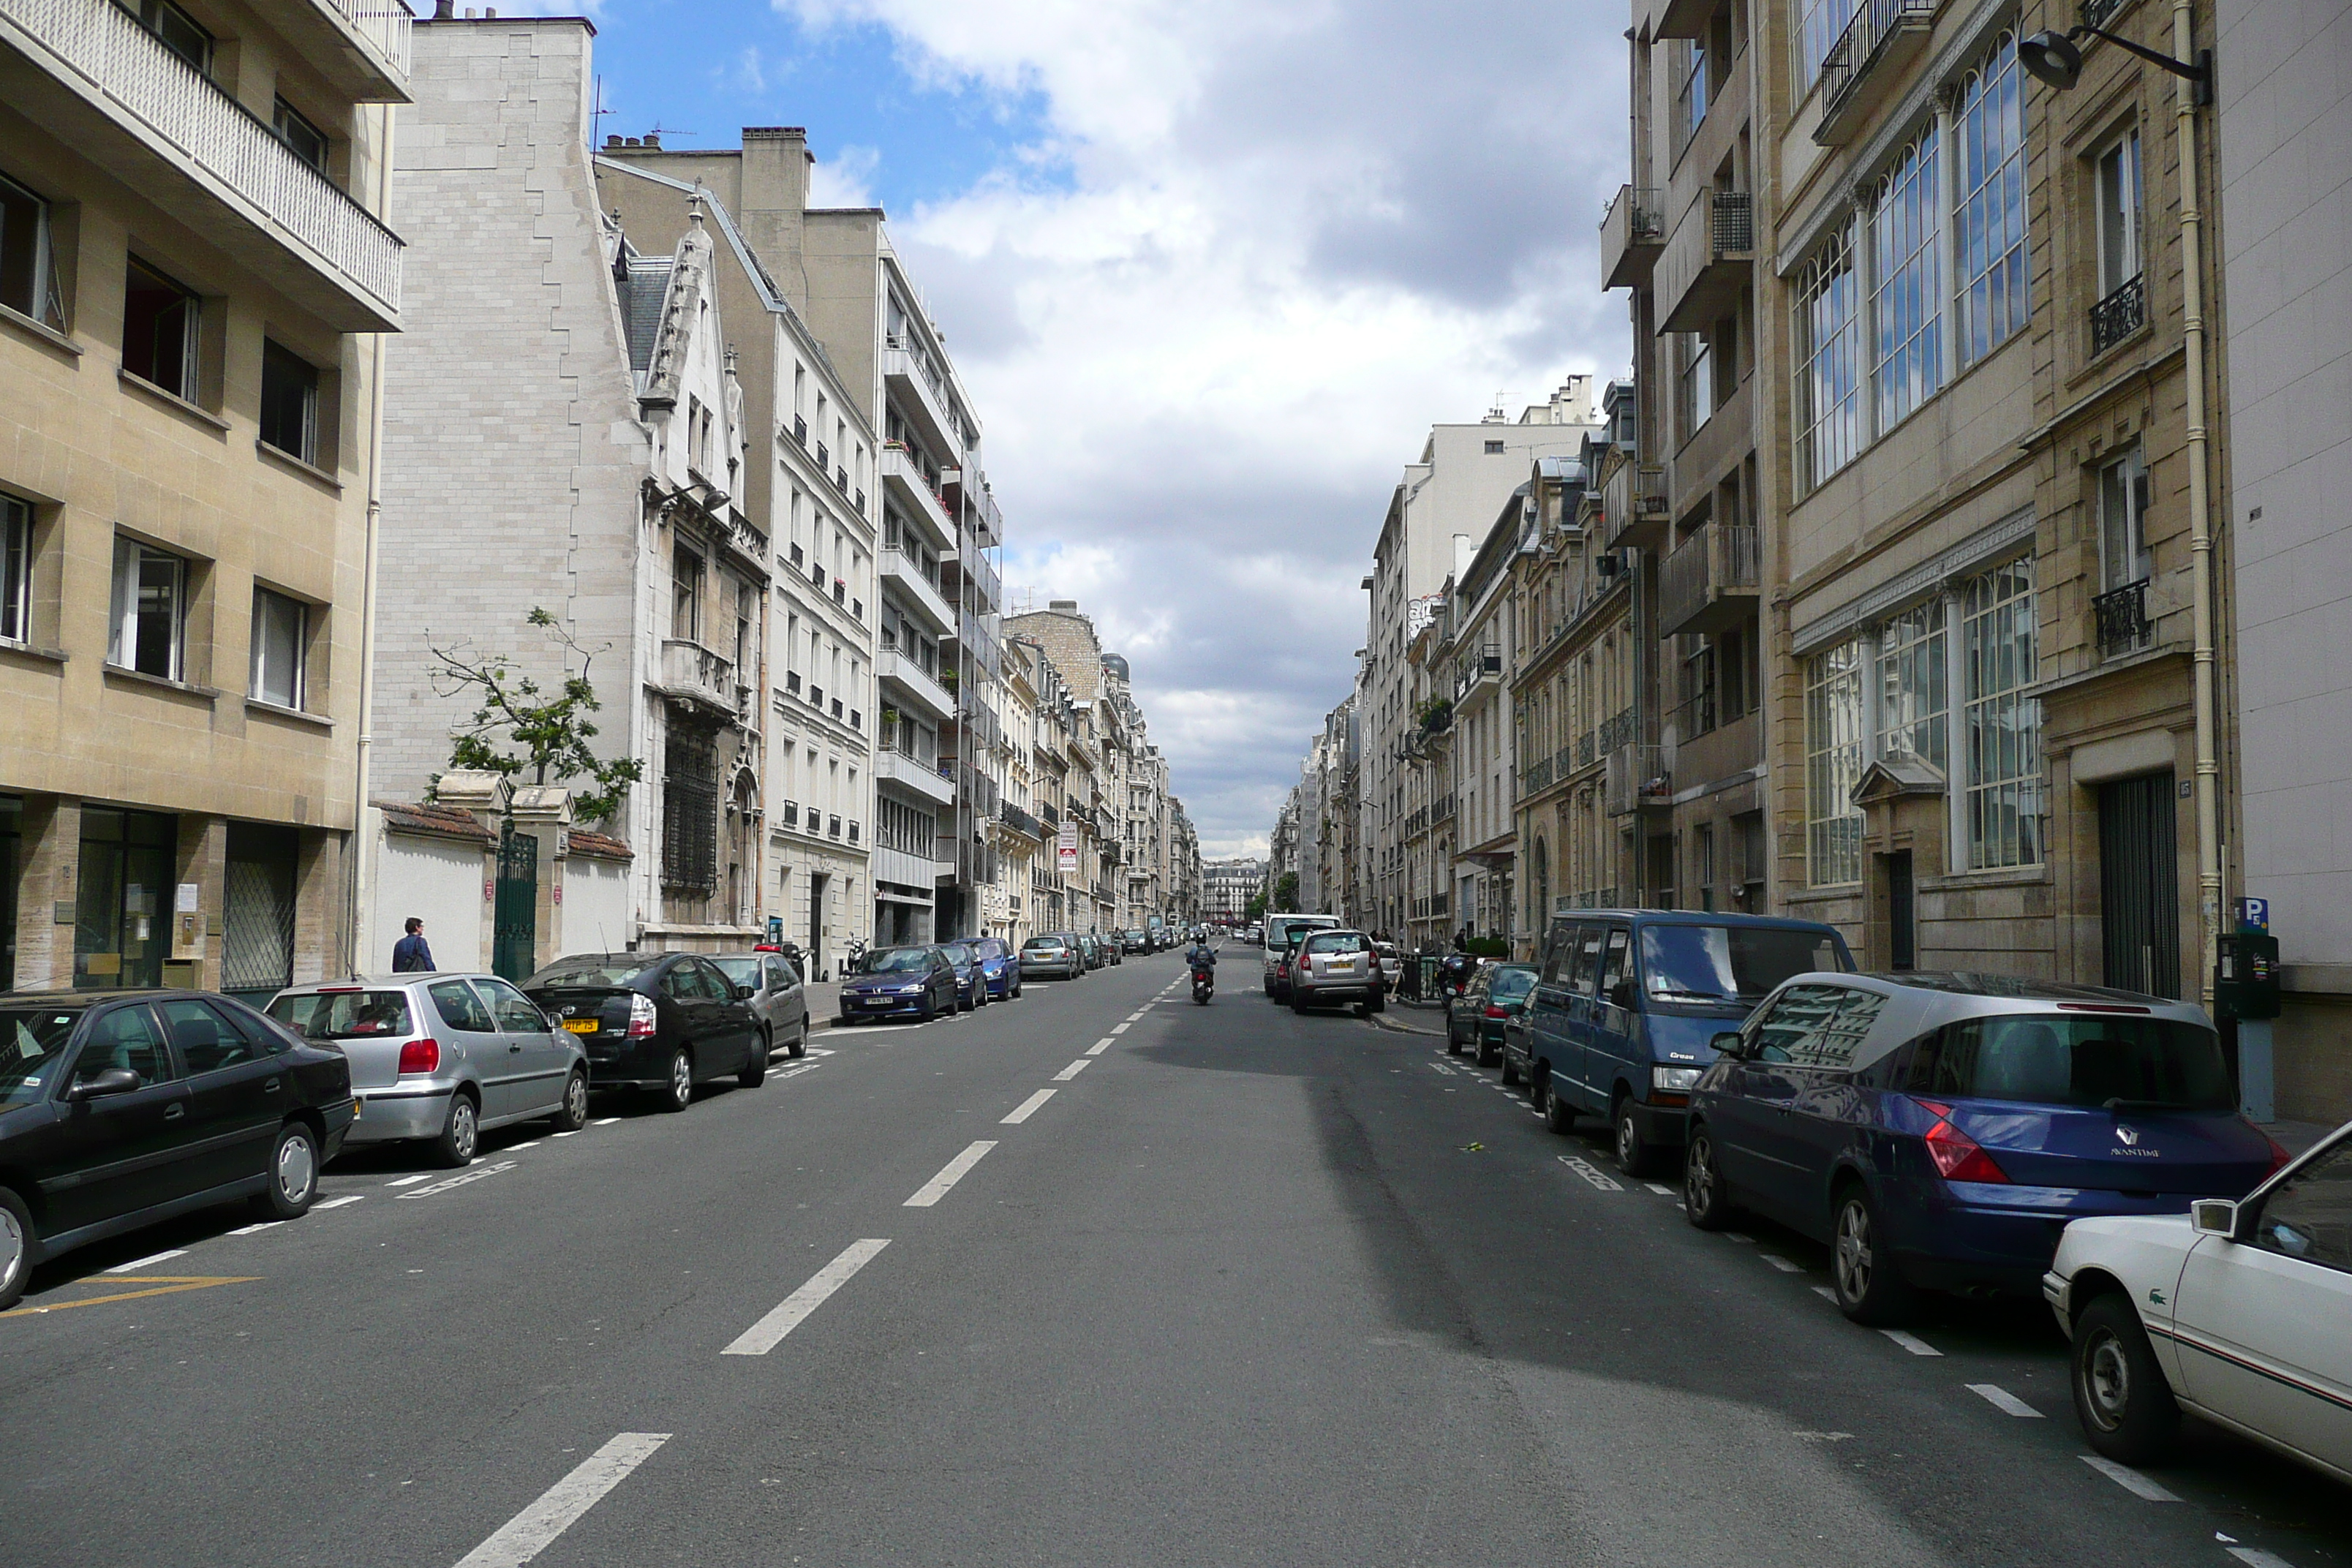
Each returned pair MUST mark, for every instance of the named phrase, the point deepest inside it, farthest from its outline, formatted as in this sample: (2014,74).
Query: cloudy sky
(1210,268)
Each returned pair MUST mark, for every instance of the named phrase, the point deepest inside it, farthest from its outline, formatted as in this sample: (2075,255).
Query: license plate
(581,1025)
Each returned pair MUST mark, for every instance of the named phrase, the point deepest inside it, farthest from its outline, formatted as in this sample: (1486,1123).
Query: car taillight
(1958,1156)
(1497,1010)
(420,1055)
(2280,1158)
(641,1016)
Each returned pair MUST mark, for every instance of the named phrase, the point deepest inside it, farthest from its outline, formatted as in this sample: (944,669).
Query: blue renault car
(1627,1004)
(1940,1130)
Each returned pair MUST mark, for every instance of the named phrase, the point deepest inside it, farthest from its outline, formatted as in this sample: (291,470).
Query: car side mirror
(554,1023)
(1729,1044)
(1622,995)
(105,1082)
(2214,1217)
(742,993)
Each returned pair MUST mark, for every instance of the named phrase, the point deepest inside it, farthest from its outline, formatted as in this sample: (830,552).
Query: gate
(2139,896)
(514,917)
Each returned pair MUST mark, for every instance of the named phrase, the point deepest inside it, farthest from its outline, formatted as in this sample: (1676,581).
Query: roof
(601,845)
(439,821)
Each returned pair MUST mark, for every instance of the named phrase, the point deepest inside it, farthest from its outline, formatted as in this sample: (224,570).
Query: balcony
(110,89)
(1021,821)
(1480,676)
(917,593)
(1683,18)
(2120,314)
(1632,232)
(1637,776)
(902,869)
(1707,263)
(1864,68)
(905,483)
(912,774)
(911,686)
(909,374)
(693,675)
(1709,583)
(2121,619)
(1633,507)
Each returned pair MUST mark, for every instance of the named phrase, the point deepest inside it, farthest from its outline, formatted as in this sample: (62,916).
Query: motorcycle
(1204,983)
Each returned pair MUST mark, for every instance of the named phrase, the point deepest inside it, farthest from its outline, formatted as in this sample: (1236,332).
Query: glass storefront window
(122,915)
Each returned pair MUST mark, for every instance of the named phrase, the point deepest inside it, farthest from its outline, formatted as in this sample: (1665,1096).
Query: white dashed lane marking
(788,1314)
(411,1181)
(1825,1293)
(604,1121)
(1099,1047)
(1120,1028)
(954,1171)
(463,1178)
(1663,1192)
(529,1533)
(2005,1401)
(2255,1557)
(343,1201)
(1074,1069)
(256,1229)
(1028,1108)
(1911,1342)
(1782,1264)
(147,1262)
(2131,1480)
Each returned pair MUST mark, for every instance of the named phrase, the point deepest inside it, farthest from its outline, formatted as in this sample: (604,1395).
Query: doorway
(1902,913)
(514,915)
(817,882)
(2139,895)
(121,930)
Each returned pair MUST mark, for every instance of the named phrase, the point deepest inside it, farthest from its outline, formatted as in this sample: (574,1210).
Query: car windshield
(30,1038)
(896,960)
(344,1014)
(2150,1064)
(619,970)
(740,971)
(1041,944)
(1730,964)
(1511,981)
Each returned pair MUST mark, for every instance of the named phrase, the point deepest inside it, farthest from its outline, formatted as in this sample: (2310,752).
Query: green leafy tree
(1255,909)
(518,728)
(1286,892)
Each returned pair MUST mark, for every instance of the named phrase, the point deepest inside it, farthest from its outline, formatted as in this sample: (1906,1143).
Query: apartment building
(830,744)
(1927,341)
(1023,850)
(939,651)
(192,199)
(1228,886)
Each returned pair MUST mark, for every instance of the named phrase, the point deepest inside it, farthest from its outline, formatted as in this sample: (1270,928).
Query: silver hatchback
(440,1059)
(778,1000)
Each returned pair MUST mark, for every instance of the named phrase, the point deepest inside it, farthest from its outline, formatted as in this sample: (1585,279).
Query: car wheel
(929,1011)
(1363,1010)
(1632,1149)
(755,1071)
(461,1135)
(293,1173)
(2121,1396)
(1511,1072)
(678,1092)
(1299,1001)
(1559,1115)
(1452,1044)
(1870,1285)
(1378,1003)
(1489,1055)
(572,1115)
(15,1248)
(1705,1204)
(799,1048)
(1016,990)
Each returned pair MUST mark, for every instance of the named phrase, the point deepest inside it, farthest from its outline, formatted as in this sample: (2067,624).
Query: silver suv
(1336,967)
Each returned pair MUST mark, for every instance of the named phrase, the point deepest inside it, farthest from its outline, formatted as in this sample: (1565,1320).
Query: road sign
(2253,914)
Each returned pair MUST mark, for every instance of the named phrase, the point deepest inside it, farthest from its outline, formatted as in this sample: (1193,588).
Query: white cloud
(845,179)
(1254,253)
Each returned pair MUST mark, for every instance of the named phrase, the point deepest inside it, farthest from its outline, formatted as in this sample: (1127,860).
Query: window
(685,595)
(176,29)
(1818,1025)
(2309,1217)
(126,1038)
(15,570)
(1833,742)
(516,1014)
(1694,383)
(306,141)
(204,1038)
(289,403)
(1494,449)
(690,813)
(1991,215)
(2119,215)
(28,273)
(2002,726)
(2123,522)
(1911,683)
(1820,23)
(151,593)
(1829,352)
(1907,306)
(460,1008)
(159,331)
(280,641)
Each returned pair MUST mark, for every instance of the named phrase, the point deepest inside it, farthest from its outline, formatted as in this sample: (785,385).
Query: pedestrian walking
(410,954)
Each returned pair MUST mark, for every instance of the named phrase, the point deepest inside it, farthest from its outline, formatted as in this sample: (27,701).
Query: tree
(1255,909)
(1286,892)
(520,728)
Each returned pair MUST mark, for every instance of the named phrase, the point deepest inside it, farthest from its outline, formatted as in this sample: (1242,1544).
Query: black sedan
(663,1021)
(120,1108)
(918,983)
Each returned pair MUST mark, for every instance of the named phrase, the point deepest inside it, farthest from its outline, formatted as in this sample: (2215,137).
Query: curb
(1383,1021)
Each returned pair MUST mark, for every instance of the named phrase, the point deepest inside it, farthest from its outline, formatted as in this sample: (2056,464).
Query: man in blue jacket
(410,954)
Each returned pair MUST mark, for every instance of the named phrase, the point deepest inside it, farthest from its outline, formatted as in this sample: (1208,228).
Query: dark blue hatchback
(1940,1130)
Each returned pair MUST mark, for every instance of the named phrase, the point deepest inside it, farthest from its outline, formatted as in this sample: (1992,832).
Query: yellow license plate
(581,1025)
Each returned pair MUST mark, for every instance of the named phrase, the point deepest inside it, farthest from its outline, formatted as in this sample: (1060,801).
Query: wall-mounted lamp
(2056,60)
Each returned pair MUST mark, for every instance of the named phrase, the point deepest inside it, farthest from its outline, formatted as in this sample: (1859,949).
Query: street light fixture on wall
(2056,60)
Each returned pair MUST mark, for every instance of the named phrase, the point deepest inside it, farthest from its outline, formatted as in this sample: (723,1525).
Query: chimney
(445,10)
(775,175)
(1061,604)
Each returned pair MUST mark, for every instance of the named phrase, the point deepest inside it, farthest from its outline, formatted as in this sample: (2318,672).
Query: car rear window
(344,1014)
(1730,964)
(1337,941)
(1041,944)
(741,970)
(2141,1063)
(588,971)
(1512,982)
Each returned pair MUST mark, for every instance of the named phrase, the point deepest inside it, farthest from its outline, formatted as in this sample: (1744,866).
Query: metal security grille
(258,926)
(690,816)
(2139,897)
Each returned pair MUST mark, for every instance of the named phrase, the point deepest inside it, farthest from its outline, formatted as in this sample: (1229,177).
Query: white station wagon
(2239,1312)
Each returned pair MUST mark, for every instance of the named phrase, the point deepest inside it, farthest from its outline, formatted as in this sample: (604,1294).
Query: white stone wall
(439,880)
(597,906)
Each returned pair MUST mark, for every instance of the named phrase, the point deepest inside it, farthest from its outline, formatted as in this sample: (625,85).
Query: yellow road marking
(165,1285)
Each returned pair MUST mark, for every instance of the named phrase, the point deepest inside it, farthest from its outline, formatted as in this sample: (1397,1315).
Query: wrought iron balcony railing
(2120,314)
(2121,618)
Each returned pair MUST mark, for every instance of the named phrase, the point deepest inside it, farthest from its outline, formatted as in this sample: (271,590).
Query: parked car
(1253,935)
(910,981)
(119,1109)
(1000,965)
(1054,956)
(1134,941)
(1282,932)
(778,1000)
(1091,947)
(2239,1312)
(1626,1003)
(442,1059)
(660,1021)
(1474,1020)
(1337,968)
(1111,953)
(1939,1129)
(971,988)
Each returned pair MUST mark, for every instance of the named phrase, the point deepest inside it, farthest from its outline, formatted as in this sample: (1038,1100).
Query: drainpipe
(2200,521)
(361,841)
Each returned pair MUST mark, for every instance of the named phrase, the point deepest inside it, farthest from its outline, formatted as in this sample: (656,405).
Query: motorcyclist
(1200,955)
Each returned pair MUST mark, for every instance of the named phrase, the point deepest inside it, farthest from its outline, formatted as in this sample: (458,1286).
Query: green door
(514,930)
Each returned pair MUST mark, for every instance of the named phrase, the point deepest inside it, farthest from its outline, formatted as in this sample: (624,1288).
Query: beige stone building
(194,278)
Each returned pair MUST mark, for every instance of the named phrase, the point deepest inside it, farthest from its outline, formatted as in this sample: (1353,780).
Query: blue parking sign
(2253,914)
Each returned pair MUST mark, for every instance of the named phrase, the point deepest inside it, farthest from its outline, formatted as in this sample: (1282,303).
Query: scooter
(1204,983)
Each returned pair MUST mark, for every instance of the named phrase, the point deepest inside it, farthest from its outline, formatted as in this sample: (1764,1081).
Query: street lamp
(2056,60)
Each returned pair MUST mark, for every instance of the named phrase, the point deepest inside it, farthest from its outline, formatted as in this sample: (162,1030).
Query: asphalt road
(1246,1289)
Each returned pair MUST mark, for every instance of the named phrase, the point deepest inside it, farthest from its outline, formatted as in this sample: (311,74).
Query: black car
(663,1021)
(121,1107)
(918,983)
(1496,993)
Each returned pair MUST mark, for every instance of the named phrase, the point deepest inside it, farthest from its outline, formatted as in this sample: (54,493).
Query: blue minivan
(1627,1003)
